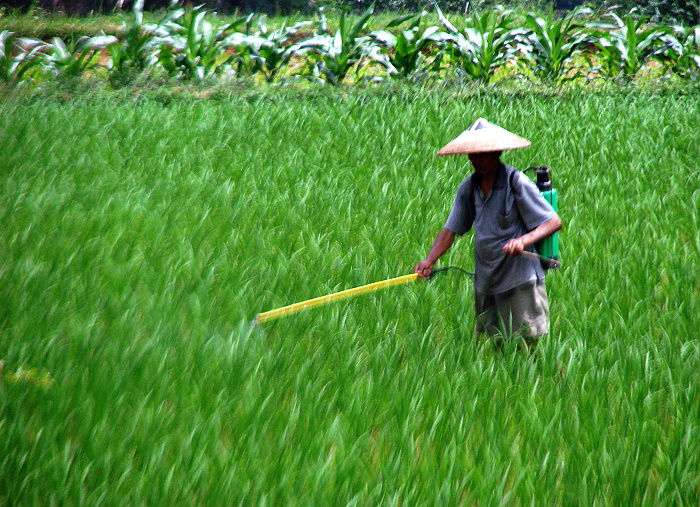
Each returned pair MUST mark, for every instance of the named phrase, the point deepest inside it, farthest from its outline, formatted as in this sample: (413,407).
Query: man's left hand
(514,247)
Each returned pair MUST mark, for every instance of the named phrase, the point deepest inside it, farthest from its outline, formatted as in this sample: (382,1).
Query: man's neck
(487,177)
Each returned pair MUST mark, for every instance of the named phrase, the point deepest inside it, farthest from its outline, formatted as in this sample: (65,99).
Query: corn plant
(192,47)
(682,52)
(404,54)
(137,50)
(269,52)
(235,44)
(75,58)
(134,50)
(14,67)
(483,46)
(626,45)
(550,45)
(334,56)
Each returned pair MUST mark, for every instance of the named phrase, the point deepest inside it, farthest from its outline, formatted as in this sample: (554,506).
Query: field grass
(44,25)
(141,236)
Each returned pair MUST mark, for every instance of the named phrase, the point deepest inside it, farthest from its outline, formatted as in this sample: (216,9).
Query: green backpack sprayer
(548,247)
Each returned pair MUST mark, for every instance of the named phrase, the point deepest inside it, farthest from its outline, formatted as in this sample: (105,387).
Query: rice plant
(141,236)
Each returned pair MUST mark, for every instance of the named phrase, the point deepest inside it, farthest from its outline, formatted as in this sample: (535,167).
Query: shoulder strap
(472,196)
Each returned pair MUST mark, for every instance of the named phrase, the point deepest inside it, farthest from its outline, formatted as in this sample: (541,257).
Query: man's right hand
(442,244)
(423,269)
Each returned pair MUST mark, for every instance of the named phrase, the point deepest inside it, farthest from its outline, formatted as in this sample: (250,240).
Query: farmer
(509,216)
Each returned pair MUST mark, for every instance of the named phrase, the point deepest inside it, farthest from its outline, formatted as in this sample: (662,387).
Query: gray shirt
(513,207)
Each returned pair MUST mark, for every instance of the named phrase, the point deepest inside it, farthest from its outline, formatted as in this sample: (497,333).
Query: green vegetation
(499,47)
(142,233)
(555,43)
(334,56)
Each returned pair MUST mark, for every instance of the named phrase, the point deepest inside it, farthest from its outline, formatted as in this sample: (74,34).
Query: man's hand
(423,269)
(442,244)
(514,247)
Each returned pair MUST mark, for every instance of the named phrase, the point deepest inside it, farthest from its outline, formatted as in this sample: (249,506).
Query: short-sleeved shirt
(513,207)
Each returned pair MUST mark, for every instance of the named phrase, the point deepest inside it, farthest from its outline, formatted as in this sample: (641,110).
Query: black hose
(445,268)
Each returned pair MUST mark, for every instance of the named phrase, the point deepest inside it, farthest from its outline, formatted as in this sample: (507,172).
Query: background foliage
(493,46)
(669,11)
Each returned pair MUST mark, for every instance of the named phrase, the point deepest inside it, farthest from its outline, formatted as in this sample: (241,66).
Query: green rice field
(141,235)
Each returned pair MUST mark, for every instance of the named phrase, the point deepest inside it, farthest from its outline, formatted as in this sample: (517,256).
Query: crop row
(188,44)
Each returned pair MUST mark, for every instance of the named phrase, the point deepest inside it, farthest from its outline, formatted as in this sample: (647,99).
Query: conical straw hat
(481,137)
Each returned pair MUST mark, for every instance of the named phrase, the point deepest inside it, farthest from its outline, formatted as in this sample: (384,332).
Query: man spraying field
(509,216)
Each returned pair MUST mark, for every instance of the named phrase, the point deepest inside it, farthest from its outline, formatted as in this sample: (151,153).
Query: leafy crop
(551,45)
(681,55)
(17,57)
(627,45)
(139,46)
(68,61)
(268,50)
(192,44)
(333,56)
(404,53)
(483,46)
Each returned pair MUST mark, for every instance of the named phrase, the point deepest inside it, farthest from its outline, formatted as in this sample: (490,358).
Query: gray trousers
(523,310)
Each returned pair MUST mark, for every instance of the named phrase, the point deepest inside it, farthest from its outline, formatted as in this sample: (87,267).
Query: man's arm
(442,244)
(516,246)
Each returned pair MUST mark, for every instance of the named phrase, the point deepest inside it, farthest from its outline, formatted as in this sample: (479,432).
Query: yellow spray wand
(330,298)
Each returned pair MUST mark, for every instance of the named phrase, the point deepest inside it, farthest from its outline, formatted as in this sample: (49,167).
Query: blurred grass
(44,25)
(141,235)
(38,24)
